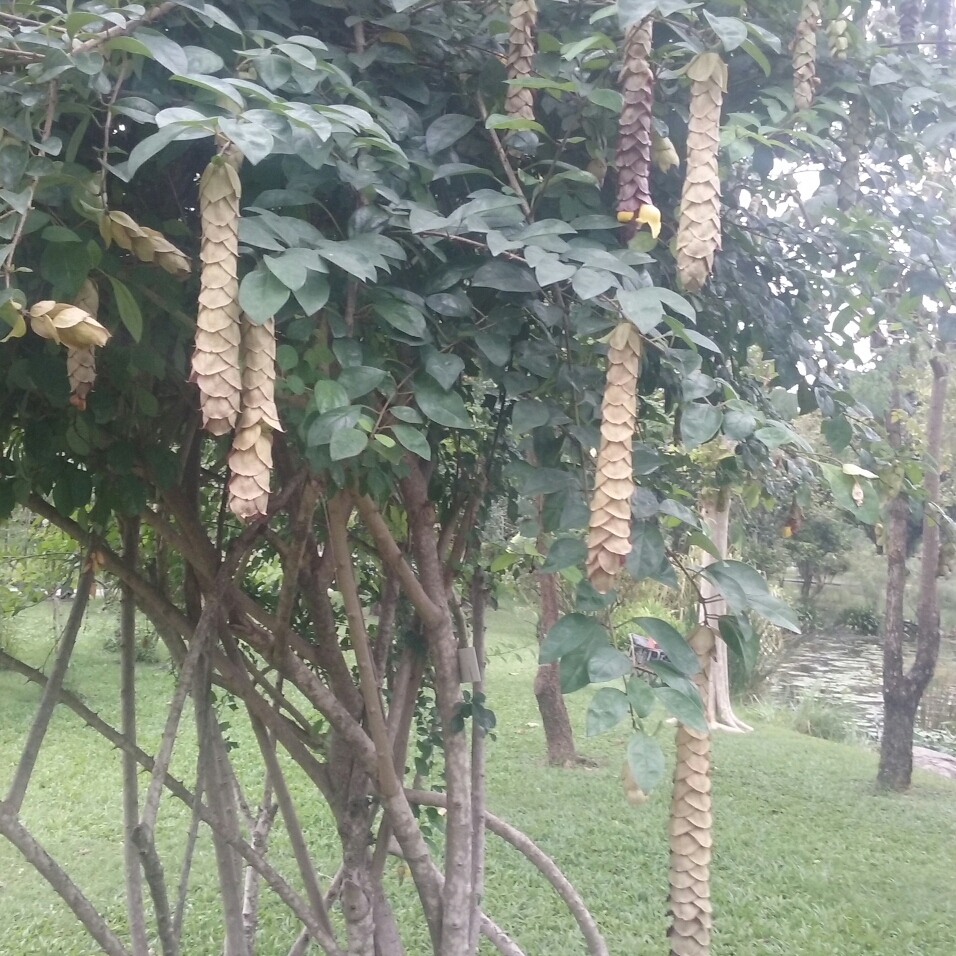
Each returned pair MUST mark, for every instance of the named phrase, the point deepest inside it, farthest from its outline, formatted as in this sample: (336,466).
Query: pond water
(845,669)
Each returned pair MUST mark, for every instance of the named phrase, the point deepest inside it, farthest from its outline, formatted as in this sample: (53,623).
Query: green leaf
(838,432)
(841,486)
(401,315)
(128,309)
(496,348)
(689,710)
(645,761)
(286,357)
(505,276)
(347,443)
(608,663)
(314,294)
(570,633)
(697,539)
(881,74)
(699,423)
(741,638)
(730,31)
(672,643)
(359,380)
(643,308)
(325,426)
(608,99)
(405,413)
(288,269)
(444,367)
(590,283)
(738,425)
(163,50)
(213,85)
(744,588)
(528,414)
(640,695)
(443,407)
(254,141)
(500,121)
(446,131)
(605,711)
(564,553)
(414,440)
(261,295)
(328,395)
(647,555)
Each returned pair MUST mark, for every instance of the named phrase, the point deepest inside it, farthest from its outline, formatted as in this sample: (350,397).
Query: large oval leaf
(568,634)
(672,643)
(645,761)
(445,408)
(606,709)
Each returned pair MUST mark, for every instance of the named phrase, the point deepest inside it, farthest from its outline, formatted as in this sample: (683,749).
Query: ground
(809,860)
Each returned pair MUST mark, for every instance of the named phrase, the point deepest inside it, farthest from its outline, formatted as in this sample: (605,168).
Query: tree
(306,284)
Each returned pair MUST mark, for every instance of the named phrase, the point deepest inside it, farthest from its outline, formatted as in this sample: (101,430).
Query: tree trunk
(547,685)
(902,692)
(715,510)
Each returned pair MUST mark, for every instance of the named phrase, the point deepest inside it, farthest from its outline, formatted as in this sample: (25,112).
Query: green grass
(809,861)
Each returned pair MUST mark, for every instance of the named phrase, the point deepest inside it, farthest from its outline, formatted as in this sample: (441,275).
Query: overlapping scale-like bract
(690,833)
(698,234)
(81,362)
(609,534)
(522,18)
(837,40)
(67,324)
(250,458)
(634,137)
(804,55)
(215,362)
(663,154)
(146,244)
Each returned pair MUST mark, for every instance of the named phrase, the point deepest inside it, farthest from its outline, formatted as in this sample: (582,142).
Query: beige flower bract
(804,55)
(81,363)
(690,833)
(215,362)
(146,244)
(698,234)
(519,100)
(250,458)
(609,533)
(67,325)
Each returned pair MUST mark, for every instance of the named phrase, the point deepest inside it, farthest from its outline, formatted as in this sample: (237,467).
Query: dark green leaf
(313,295)
(570,633)
(608,663)
(689,710)
(647,555)
(605,711)
(643,308)
(741,638)
(261,295)
(447,130)
(401,315)
(529,414)
(128,309)
(505,276)
(640,695)
(359,380)
(564,553)
(329,395)
(645,761)
(672,643)
(443,407)
(444,367)
(413,440)
(730,31)
(347,443)
(838,432)
(699,423)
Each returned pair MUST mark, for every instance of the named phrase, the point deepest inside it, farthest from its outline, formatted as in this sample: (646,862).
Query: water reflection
(846,669)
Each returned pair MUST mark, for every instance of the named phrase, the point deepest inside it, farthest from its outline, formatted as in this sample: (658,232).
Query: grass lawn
(809,861)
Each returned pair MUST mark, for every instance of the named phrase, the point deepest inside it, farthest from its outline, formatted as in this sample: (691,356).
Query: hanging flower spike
(519,101)
(250,458)
(698,234)
(215,362)
(146,244)
(609,533)
(634,138)
(837,40)
(804,52)
(81,363)
(67,325)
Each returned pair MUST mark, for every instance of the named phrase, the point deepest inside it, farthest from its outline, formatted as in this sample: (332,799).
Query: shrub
(817,717)
(859,618)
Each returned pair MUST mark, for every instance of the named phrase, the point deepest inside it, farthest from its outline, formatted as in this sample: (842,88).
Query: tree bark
(134,874)
(902,692)
(558,734)
(715,510)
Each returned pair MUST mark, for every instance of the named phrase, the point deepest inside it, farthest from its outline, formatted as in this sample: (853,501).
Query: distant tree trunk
(715,510)
(902,691)
(547,684)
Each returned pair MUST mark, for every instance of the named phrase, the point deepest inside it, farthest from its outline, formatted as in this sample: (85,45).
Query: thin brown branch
(31,749)
(503,158)
(57,877)
(154,13)
(546,866)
